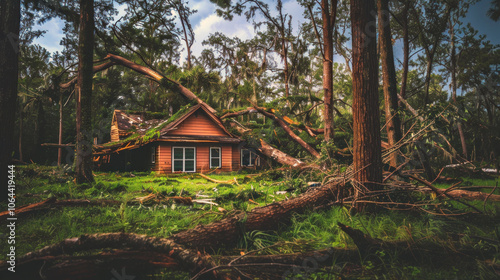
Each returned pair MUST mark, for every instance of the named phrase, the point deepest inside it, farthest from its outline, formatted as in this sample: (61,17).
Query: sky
(206,22)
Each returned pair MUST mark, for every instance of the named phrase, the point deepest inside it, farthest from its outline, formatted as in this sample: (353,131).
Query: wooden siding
(115,135)
(236,157)
(202,158)
(198,123)
(164,163)
(164,157)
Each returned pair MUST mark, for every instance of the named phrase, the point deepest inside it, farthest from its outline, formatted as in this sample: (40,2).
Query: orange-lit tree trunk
(329,13)
(365,109)
(393,123)
(84,93)
(406,51)
(59,150)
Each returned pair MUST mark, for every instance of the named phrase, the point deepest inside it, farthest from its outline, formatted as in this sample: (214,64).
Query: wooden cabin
(194,141)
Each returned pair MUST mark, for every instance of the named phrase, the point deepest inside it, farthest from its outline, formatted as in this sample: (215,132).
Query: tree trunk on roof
(158,77)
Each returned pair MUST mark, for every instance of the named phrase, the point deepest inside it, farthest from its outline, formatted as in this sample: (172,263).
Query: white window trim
(220,157)
(184,159)
(250,155)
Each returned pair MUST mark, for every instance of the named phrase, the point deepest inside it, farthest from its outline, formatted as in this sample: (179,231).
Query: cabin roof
(175,123)
(141,130)
(128,122)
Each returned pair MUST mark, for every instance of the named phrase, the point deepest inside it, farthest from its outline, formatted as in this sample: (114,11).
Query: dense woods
(362,106)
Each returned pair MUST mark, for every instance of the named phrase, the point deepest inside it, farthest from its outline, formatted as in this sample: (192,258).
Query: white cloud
(238,27)
(294,9)
(52,38)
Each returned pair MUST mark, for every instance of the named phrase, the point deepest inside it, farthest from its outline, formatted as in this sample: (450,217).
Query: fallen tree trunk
(420,118)
(279,156)
(289,131)
(269,151)
(463,194)
(112,264)
(152,74)
(226,232)
(454,194)
(53,202)
(187,259)
(55,145)
(281,123)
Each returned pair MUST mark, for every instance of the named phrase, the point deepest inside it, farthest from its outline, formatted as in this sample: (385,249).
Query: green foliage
(256,239)
(306,231)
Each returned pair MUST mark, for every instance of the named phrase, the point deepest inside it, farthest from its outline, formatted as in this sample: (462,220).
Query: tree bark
(109,264)
(393,123)
(183,17)
(279,156)
(21,118)
(329,13)
(59,150)
(10,16)
(289,131)
(158,77)
(84,94)
(406,51)
(283,124)
(367,158)
(53,202)
(188,259)
(226,232)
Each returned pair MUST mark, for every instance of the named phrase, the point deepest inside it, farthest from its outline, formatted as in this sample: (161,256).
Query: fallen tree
(113,59)
(187,259)
(141,254)
(54,202)
(111,263)
(226,232)
(279,156)
(270,114)
(220,234)
(269,151)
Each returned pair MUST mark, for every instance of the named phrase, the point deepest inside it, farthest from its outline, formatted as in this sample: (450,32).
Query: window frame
(250,163)
(184,159)
(219,157)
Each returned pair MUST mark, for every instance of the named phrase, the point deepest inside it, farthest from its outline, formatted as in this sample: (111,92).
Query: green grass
(307,231)
(37,183)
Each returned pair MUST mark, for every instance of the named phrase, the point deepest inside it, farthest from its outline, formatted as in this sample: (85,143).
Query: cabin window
(248,158)
(183,159)
(153,154)
(215,157)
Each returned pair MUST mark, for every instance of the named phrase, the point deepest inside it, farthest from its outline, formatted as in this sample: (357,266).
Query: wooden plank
(198,124)
(236,157)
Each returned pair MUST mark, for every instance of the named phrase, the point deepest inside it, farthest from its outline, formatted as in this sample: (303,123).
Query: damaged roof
(136,130)
(134,122)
